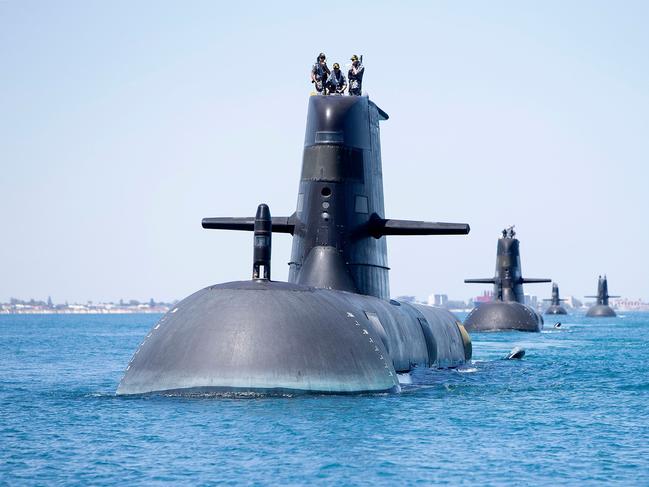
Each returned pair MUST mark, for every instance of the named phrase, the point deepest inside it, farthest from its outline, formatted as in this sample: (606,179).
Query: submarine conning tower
(555,300)
(602,291)
(508,271)
(340,217)
(340,192)
(339,222)
(508,280)
(601,308)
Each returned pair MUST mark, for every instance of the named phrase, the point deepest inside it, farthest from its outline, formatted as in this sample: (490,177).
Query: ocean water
(574,411)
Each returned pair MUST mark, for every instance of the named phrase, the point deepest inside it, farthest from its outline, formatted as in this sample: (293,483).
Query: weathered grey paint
(272,336)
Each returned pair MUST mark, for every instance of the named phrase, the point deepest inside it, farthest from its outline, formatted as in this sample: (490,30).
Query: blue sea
(574,411)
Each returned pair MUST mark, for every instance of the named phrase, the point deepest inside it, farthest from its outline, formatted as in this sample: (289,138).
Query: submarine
(332,328)
(601,309)
(508,310)
(555,307)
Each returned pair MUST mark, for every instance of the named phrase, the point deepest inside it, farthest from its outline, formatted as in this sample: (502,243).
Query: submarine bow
(332,328)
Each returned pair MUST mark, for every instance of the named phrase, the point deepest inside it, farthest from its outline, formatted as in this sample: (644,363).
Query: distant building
(624,304)
(531,301)
(458,305)
(486,297)
(17,306)
(572,302)
(442,301)
(438,300)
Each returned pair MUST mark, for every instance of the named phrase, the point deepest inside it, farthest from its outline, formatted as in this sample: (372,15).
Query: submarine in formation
(555,307)
(332,328)
(508,310)
(601,309)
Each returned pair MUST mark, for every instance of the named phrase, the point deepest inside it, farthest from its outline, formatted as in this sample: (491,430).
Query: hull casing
(600,311)
(501,316)
(263,336)
(556,310)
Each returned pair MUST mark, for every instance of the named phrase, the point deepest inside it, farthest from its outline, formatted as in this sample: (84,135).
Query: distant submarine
(601,309)
(332,328)
(555,307)
(508,310)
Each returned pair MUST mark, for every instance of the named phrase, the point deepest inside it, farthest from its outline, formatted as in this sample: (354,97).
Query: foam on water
(404,378)
(572,411)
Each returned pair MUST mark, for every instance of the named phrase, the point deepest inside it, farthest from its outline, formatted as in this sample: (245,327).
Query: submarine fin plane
(486,280)
(532,280)
(281,224)
(379,227)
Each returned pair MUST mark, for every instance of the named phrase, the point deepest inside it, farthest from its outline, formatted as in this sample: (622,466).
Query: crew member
(355,76)
(336,83)
(319,73)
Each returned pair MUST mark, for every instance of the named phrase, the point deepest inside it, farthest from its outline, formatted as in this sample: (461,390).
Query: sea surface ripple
(572,412)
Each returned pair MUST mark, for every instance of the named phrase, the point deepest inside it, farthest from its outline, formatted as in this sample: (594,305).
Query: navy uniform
(320,72)
(355,76)
(336,83)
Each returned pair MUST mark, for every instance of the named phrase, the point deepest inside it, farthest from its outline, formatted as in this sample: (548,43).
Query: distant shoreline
(85,312)
(163,311)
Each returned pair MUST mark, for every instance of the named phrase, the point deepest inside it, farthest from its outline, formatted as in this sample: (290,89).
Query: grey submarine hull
(503,316)
(600,311)
(556,310)
(265,336)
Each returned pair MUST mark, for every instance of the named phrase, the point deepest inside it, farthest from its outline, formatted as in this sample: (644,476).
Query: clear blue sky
(122,124)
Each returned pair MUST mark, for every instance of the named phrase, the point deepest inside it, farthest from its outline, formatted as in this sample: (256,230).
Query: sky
(122,124)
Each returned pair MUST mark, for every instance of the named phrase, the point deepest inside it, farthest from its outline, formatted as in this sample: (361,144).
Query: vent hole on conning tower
(326,192)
